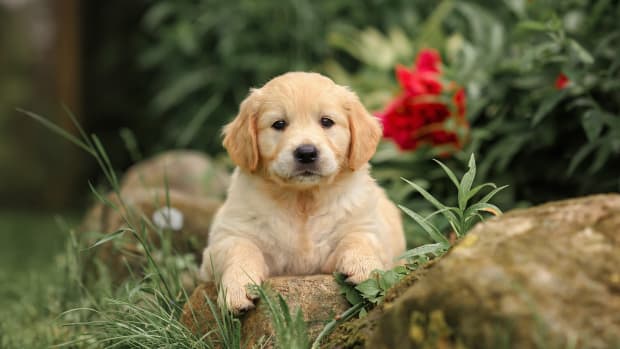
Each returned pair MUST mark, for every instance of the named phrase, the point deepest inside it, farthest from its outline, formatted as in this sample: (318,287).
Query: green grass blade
(108,164)
(449,172)
(59,131)
(77,126)
(108,237)
(102,198)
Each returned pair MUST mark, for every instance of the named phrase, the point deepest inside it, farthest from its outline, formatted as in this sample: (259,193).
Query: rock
(183,208)
(186,171)
(318,296)
(543,277)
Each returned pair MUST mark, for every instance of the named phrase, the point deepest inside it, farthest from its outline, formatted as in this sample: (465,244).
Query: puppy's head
(301,130)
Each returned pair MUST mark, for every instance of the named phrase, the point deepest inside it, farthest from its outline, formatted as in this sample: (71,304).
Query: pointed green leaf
(430,198)
(432,231)
(369,289)
(547,105)
(466,182)
(592,123)
(481,206)
(448,172)
(436,249)
(492,193)
(477,188)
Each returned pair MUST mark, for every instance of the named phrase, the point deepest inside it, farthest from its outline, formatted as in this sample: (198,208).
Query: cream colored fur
(276,221)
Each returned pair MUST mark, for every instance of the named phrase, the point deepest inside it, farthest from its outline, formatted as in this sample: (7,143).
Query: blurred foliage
(204,56)
(545,142)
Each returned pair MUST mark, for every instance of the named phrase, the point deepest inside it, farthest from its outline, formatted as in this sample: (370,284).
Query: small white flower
(168,218)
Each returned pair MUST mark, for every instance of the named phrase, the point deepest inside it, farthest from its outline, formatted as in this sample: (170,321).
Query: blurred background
(147,76)
(541,80)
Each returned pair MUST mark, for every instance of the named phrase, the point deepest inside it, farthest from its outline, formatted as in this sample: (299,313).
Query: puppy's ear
(240,135)
(365,132)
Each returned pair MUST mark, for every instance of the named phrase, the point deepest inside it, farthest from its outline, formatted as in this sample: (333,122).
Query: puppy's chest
(300,244)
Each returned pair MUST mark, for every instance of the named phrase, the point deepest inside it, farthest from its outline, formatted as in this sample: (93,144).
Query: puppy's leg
(237,263)
(355,256)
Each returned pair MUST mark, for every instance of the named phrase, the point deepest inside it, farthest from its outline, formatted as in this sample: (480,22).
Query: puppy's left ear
(240,135)
(365,131)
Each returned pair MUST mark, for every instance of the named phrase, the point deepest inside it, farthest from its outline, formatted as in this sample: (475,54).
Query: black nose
(306,153)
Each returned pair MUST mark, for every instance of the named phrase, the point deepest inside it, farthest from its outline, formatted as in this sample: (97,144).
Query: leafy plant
(363,296)
(508,55)
(460,218)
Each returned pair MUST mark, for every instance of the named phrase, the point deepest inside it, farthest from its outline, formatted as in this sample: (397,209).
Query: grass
(144,311)
(32,290)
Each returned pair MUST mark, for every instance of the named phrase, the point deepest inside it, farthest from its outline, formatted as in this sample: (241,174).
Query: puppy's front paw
(236,298)
(358,268)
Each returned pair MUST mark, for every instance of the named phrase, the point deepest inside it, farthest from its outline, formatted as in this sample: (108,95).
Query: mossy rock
(543,277)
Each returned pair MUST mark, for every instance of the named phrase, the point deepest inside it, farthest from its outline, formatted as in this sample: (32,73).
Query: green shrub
(543,141)
(204,56)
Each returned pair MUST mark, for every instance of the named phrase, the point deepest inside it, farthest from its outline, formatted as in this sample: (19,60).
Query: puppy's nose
(306,153)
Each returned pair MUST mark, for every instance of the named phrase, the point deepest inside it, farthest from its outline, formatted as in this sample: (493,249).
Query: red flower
(428,61)
(418,114)
(561,81)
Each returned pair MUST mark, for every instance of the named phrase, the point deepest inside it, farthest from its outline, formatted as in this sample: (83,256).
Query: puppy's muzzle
(306,154)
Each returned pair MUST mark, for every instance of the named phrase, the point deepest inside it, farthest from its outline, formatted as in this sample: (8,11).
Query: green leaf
(389,279)
(547,105)
(432,231)
(369,289)
(466,182)
(436,249)
(448,172)
(482,206)
(581,52)
(476,189)
(492,193)
(533,26)
(347,290)
(592,122)
(430,198)
(581,154)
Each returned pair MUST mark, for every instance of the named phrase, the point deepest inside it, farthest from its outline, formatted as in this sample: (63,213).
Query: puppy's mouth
(305,173)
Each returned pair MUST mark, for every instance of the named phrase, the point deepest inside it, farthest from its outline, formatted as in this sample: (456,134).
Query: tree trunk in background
(67,87)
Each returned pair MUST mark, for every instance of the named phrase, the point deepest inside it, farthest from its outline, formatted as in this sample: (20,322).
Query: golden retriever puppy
(301,200)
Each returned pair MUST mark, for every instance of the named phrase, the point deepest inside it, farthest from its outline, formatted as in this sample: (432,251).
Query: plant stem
(338,319)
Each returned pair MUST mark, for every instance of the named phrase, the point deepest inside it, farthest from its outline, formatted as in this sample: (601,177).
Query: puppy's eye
(327,122)
(279,125)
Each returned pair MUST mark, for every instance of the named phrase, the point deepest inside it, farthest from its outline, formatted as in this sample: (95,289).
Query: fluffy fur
(286,218)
